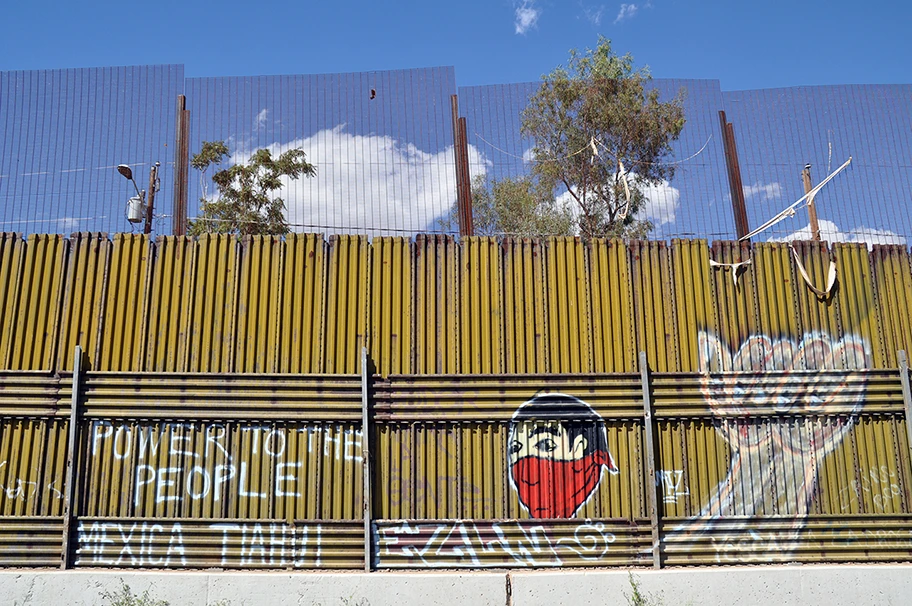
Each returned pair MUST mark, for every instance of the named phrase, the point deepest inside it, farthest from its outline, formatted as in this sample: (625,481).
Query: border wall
(293,403)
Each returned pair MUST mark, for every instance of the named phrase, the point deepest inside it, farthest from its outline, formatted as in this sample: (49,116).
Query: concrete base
(777,585)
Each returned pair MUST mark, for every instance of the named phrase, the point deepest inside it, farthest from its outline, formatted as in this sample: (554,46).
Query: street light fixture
(136,206)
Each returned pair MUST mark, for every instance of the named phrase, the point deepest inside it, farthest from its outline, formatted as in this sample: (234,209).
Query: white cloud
(662,203)
(369,184)
(763,191)
(64,224)
(593,15)
(565,199)
(830,232)
(526,17)
(627,12)
(261,118)
(74,223)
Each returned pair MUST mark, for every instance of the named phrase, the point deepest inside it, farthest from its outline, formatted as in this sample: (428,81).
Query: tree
(601,136)
(513,206)
(245,204)
(518,207)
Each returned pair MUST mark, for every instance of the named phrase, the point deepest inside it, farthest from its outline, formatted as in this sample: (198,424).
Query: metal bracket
(70,480)
(650,463)
(906,391)
(365,459)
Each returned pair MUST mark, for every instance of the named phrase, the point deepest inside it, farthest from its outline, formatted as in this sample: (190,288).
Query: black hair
(574,415)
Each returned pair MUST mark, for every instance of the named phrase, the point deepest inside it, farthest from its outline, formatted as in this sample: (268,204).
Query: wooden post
(153,181)
(812,210)
(70,480)
(365,459)
(651,495)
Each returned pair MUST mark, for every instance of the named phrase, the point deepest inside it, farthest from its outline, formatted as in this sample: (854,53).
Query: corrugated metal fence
(503,413)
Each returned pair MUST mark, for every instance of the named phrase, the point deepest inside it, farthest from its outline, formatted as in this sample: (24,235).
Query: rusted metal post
(466,179)
(812,210)
(181,168)
(906,391)
(185,135)
(460,207)
(463,180)
(178,165)
(739,210)
(650,463)
(365,459)
(70,479)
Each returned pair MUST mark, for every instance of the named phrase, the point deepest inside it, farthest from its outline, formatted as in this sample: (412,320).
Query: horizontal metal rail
(199,470)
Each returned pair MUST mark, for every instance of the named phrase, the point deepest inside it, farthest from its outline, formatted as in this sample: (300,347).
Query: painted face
(545,439)
(556,465)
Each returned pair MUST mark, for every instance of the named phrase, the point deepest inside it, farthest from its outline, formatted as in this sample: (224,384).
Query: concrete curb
(777,585)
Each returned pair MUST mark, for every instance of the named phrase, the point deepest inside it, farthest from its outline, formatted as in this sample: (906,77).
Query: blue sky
(385,164)
(745,45)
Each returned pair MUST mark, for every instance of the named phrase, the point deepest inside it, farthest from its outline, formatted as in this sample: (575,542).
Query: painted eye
(546,445)
(515,447)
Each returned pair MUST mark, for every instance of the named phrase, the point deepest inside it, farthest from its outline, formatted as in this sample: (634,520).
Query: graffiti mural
(775,458)
(558,449)
(173,544)
(476,544)
(182,469)
(507,425)
(778,450)
(557,455)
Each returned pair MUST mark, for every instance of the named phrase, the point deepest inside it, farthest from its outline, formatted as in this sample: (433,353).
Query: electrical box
(136,210)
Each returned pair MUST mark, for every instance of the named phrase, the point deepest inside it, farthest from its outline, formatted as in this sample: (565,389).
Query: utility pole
(812,210)
(153,187)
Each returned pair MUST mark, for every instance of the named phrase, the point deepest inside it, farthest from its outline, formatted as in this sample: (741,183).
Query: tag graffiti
(136,544)
(202,462)
(486,544)
(24,489)
(672,483)
(243,545)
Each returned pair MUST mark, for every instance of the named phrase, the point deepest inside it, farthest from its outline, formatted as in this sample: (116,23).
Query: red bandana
(556,489)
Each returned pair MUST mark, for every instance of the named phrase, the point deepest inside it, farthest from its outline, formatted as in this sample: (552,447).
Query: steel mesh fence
(781,130)
(382,143)
(62,135)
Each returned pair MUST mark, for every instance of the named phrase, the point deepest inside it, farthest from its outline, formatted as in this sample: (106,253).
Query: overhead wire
(789,211)
(505,152)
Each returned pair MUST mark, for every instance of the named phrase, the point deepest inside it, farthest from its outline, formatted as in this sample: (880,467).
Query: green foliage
(638,597)
(589,120)
(518,207)
(125,597)
(245,204)
(514,207)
